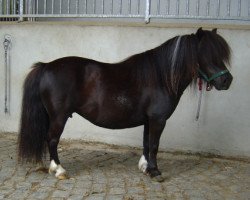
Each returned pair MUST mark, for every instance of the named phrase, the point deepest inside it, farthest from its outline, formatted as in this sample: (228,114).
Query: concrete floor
(99,171)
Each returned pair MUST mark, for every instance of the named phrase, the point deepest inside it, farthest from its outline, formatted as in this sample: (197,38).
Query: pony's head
(213,56)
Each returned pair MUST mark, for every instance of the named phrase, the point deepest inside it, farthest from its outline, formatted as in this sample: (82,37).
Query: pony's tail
(34,119)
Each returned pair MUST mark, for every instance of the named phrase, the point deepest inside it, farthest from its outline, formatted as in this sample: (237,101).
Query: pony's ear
(214,30)
(200,33)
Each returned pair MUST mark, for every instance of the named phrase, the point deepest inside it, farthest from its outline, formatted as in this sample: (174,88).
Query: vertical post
(177,7)
(37,7)
(228,7)
(129,6)
(77,7)
(218,8)
(112,7)
(102,6)
(29,8)
(60,5)
(86,6)
(94,7)
(239,8)
(147,11)
(7,7)
(138,7)
(120,7)
(187,7)
(1,7)
(159,7)
(168,7)
(52,6)
(248,8)
(68,6)
(14,7)
(208,7)
(198,7)
(7,46)
(20,10)
(45,7)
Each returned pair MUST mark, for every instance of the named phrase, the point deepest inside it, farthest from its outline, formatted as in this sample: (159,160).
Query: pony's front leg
(156,127)
(143,162)
(55,131)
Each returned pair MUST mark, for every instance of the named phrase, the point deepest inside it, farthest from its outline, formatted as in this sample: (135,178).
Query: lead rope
(7,45)
(200,85)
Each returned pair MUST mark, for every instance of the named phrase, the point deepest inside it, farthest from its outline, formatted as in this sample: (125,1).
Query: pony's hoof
(158,178)
(51,171)
(62,176)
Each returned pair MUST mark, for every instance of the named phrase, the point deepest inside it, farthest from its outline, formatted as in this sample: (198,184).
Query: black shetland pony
(142,90)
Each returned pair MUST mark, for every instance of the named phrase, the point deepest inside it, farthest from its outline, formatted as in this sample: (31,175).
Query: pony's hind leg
(55,131)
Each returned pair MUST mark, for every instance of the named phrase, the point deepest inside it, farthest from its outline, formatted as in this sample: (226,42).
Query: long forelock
(218,47)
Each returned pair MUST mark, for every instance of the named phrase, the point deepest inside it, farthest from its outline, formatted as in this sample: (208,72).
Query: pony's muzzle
(223,82)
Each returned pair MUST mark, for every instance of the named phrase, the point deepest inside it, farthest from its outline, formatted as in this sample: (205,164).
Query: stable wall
(224,124)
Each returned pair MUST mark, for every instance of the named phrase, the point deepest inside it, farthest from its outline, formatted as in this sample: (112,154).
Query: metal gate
(192,10)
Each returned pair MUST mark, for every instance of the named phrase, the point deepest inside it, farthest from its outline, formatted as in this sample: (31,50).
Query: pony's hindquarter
(34,119)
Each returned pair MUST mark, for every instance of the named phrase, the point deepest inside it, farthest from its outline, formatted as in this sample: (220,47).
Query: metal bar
(77,6)
(248,8)
(147,11)
(208,7)
(112,7)
(52,6)
(242,18)
(14,7)
(138,6)
(7,46)
(218,8)
(30,5)
(7,7)
(45,7)
(239,8)
(20,10)
(187,7)
(86,6)
(68,9)
(177,7)
(60,6)
(103,6)
(129,6)
(195,17)
(78,16)
(168,7)
(228,7)
(198,7)
(120,7)
(11,6)
(37,6)
(94,6)
(159,7)
(1,7)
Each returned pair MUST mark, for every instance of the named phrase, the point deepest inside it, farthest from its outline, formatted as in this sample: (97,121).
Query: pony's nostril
(225,81)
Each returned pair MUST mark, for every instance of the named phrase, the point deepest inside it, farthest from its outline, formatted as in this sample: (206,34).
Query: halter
(221,73)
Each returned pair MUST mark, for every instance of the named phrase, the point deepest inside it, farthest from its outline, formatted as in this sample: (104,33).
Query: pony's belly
(112,118)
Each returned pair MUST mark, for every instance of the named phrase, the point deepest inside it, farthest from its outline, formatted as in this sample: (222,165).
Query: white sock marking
(52,166)
(143,164)
(58,169)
